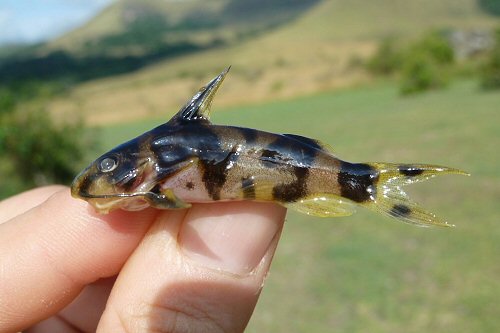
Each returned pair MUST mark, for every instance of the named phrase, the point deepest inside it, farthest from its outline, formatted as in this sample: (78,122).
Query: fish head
(117,179)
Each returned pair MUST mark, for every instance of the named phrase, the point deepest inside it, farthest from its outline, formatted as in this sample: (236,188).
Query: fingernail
(230,237)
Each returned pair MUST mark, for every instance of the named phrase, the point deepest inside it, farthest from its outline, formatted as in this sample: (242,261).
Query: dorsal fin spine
(198,108)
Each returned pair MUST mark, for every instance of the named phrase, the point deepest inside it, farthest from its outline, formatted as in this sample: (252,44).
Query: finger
(82,314)
(86,310)
(50,252)
(199,271)
(23,202)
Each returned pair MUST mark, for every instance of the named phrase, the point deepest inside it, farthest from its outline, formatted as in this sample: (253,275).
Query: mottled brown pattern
(291,192)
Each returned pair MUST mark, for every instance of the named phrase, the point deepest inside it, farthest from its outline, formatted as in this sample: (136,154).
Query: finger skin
(82,314)
(161,289)
(18,204)
(50,252)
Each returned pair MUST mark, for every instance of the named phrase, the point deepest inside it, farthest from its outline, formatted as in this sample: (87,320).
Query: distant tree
(491,70)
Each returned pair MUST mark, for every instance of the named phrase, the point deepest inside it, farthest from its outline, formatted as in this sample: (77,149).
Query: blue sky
(37,20)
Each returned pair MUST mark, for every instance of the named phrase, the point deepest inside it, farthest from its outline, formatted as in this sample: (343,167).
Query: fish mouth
(104,203)
(115,195)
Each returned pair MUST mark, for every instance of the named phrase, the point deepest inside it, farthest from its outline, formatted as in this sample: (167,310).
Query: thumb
(199,270)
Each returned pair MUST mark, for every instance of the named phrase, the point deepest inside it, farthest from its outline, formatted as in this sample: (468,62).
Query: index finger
(20,203)
(49,253)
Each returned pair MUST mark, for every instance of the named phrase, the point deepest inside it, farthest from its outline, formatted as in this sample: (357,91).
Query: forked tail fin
(390,199)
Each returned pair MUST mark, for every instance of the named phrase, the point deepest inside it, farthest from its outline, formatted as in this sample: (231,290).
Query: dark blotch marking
(400,210)
(293,152)
(248,187)
(269,153)
(177,142)
(215,172)
(295,190)
(156,189)
(409,170)
(355,179)
(250,135)
(85,184)
(190,185)
(270,158)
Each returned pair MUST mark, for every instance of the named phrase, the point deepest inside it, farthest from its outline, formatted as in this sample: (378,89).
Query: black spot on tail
(409,170)
(400,210)
(190,185)
(295,190)
(357,181)
(248,187)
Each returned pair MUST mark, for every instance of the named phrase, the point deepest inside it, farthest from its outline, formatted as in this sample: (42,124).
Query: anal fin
(323,205)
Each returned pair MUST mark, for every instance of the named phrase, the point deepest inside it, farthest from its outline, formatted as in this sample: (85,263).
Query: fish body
(189,159)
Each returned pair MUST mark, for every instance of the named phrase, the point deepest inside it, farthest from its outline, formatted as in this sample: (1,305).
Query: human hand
(64,268)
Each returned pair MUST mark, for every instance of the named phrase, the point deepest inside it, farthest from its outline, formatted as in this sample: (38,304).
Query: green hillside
(315,51)
(223,19)
(139,27)
(130,35)
(137,59)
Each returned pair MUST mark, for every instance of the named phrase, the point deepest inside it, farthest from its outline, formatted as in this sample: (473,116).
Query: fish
(190,160)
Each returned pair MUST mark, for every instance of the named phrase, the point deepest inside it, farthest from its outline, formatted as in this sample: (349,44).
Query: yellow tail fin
(390,199)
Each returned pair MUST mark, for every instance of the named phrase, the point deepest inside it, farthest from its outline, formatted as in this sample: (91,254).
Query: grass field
(367,273)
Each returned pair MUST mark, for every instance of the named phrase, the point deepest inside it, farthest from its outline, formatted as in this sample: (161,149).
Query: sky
(29,21)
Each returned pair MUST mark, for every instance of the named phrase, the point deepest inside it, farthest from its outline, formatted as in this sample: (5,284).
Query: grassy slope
(366,273)
(308,55)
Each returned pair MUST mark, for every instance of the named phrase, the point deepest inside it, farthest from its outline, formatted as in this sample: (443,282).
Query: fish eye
(108,164)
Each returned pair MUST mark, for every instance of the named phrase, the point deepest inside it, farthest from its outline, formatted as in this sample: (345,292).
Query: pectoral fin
(323,205)
(165,200)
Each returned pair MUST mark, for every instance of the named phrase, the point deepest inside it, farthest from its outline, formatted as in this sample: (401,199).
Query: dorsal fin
(310,142)
(316,144)
(198,108)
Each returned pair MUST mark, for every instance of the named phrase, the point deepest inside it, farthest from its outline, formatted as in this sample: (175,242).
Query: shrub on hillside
(436,46)
(41,151)
(35,150)
(420,73)
(491,70)
(387,59)
(426,64)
